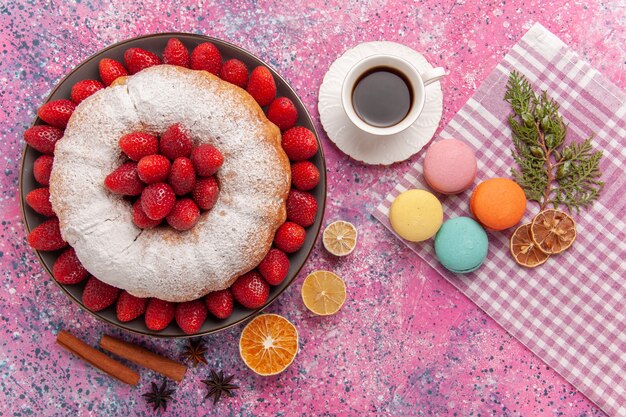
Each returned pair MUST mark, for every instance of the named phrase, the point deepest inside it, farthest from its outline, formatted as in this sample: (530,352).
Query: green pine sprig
(550,172)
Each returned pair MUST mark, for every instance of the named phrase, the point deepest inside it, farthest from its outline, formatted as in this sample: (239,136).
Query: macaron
(461,245)
(416,215)
(450,166)
(498,203)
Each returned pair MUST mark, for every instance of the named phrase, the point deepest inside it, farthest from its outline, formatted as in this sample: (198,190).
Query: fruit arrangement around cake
(191,152)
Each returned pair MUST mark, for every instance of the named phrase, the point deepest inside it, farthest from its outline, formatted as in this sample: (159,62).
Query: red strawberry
(304,175)
(190,316)
(220,303)
(251,290)
(153,168)
(98,295)
(301,208)
(57,113)
(43,138)
(111,70)
(235,72)
(157,200)
(136,145)
(125,180)
(299,143)
(67,268)
(175,53)
(274,267)
(47,236)
(206,57)
(129,307)
(138,59)
(175,142)
(205,192)
(140,218)
(39,200)
(159,314)
(206,160)
(261,86)
(182,176)
(42,168)
(283,113)
(184,215)
(84,88)
(289,237)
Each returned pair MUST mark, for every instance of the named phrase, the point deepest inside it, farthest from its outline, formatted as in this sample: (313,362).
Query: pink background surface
(406,342)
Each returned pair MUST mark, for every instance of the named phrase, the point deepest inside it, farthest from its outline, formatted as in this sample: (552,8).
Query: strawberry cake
(177,263)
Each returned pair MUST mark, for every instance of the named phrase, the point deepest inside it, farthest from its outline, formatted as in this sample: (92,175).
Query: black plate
(156,43)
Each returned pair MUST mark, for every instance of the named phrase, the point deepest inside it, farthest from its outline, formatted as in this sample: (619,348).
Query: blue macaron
(461,245)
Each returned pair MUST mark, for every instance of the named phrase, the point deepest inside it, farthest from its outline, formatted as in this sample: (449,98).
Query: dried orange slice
(323,292)
(339,238)
(524,250)
(268,344)
(553,231)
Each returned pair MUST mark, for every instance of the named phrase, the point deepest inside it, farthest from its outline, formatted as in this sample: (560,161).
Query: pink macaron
(450,166)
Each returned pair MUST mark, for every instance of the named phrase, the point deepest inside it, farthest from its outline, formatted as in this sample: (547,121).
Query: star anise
(218,385)
(195,351)
(159,396)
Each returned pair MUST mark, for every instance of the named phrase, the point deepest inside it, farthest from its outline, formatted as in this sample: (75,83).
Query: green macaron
(461,245)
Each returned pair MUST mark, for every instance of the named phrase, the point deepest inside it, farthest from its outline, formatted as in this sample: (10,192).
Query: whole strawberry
(110,70)
(184,214)
(261,86)
(175,53)
(84,88)
(220,303)
(175,142)
(98,295)
(206,57)
(159,314)
(205,192)
(67,269)
(182,176)
(304,175)
(39,200)
(129,307)
(274,267)
(289,237)
(42,168)
(251,290)
(283,113)
(43,138)
(138,59)
(299,143)
(47,236)
(57,113)
(235,72)
(125,180)
(153,168)
(206,159)
(301,208)
(190,316)
(136,145)
(157,200)
(140,219)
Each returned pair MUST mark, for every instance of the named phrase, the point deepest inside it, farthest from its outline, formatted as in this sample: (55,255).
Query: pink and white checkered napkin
(571,311)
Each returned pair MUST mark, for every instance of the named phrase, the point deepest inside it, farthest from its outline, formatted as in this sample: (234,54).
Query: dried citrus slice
(553,231)
(268,344)
(323,292)
(524,250)
(340,238)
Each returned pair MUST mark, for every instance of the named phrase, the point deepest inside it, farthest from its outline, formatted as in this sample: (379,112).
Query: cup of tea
(385,94)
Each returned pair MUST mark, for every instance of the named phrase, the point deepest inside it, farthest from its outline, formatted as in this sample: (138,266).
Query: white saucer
(365,147)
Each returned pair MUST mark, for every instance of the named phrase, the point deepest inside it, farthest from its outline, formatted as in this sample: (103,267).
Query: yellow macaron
(416,215)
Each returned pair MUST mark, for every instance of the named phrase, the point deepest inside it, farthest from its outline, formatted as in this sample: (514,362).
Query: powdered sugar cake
(228,241)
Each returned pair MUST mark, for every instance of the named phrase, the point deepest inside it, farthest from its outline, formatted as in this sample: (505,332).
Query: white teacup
(417,83)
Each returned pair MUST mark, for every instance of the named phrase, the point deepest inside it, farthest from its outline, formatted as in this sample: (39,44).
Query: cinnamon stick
(144,357)
(97,358)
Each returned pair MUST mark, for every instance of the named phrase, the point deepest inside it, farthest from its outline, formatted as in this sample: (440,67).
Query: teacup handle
(433,75)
